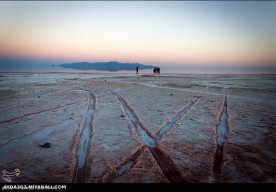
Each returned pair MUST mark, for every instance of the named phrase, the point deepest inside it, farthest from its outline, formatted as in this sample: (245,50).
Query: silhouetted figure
(137,68)
(156,70)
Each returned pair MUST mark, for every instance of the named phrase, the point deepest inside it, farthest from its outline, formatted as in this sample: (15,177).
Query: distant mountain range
(105,66)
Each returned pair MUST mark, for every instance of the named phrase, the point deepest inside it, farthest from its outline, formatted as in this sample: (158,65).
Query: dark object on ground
(171,94)
(156,70)
(46,145)
(137,68)
(122,115)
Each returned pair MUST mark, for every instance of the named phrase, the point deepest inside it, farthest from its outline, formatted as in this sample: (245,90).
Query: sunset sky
(154,32)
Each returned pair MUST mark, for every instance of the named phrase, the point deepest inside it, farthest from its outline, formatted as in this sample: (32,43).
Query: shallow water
(85,136)
(222,127)
(165,129)
(145,137)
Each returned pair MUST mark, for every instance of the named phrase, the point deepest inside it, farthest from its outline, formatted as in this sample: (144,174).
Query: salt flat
(143,128)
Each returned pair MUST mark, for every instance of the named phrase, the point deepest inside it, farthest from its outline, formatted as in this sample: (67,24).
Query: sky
(161,33)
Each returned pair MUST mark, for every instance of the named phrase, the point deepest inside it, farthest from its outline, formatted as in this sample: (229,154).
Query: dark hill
(106,66)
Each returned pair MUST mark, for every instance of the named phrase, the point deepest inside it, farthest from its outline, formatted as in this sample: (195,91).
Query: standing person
(137,68)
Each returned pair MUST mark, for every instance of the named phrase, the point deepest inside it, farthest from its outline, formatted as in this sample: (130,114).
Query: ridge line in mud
(84,141)
(9,105)
(166,87)
(103,95)
(42,111)
(222,130)
(136,94)
(43,131)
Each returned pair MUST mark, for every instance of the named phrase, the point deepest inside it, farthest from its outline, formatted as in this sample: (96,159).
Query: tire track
(163,130)
(221,133)
(143,133)
(84,141)
(125,165)
(166,164)
(166,128)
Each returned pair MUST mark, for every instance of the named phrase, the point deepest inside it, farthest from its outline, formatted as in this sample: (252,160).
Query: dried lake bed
(145,128)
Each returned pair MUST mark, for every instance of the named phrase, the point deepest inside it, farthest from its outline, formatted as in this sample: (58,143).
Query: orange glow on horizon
(167,33)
